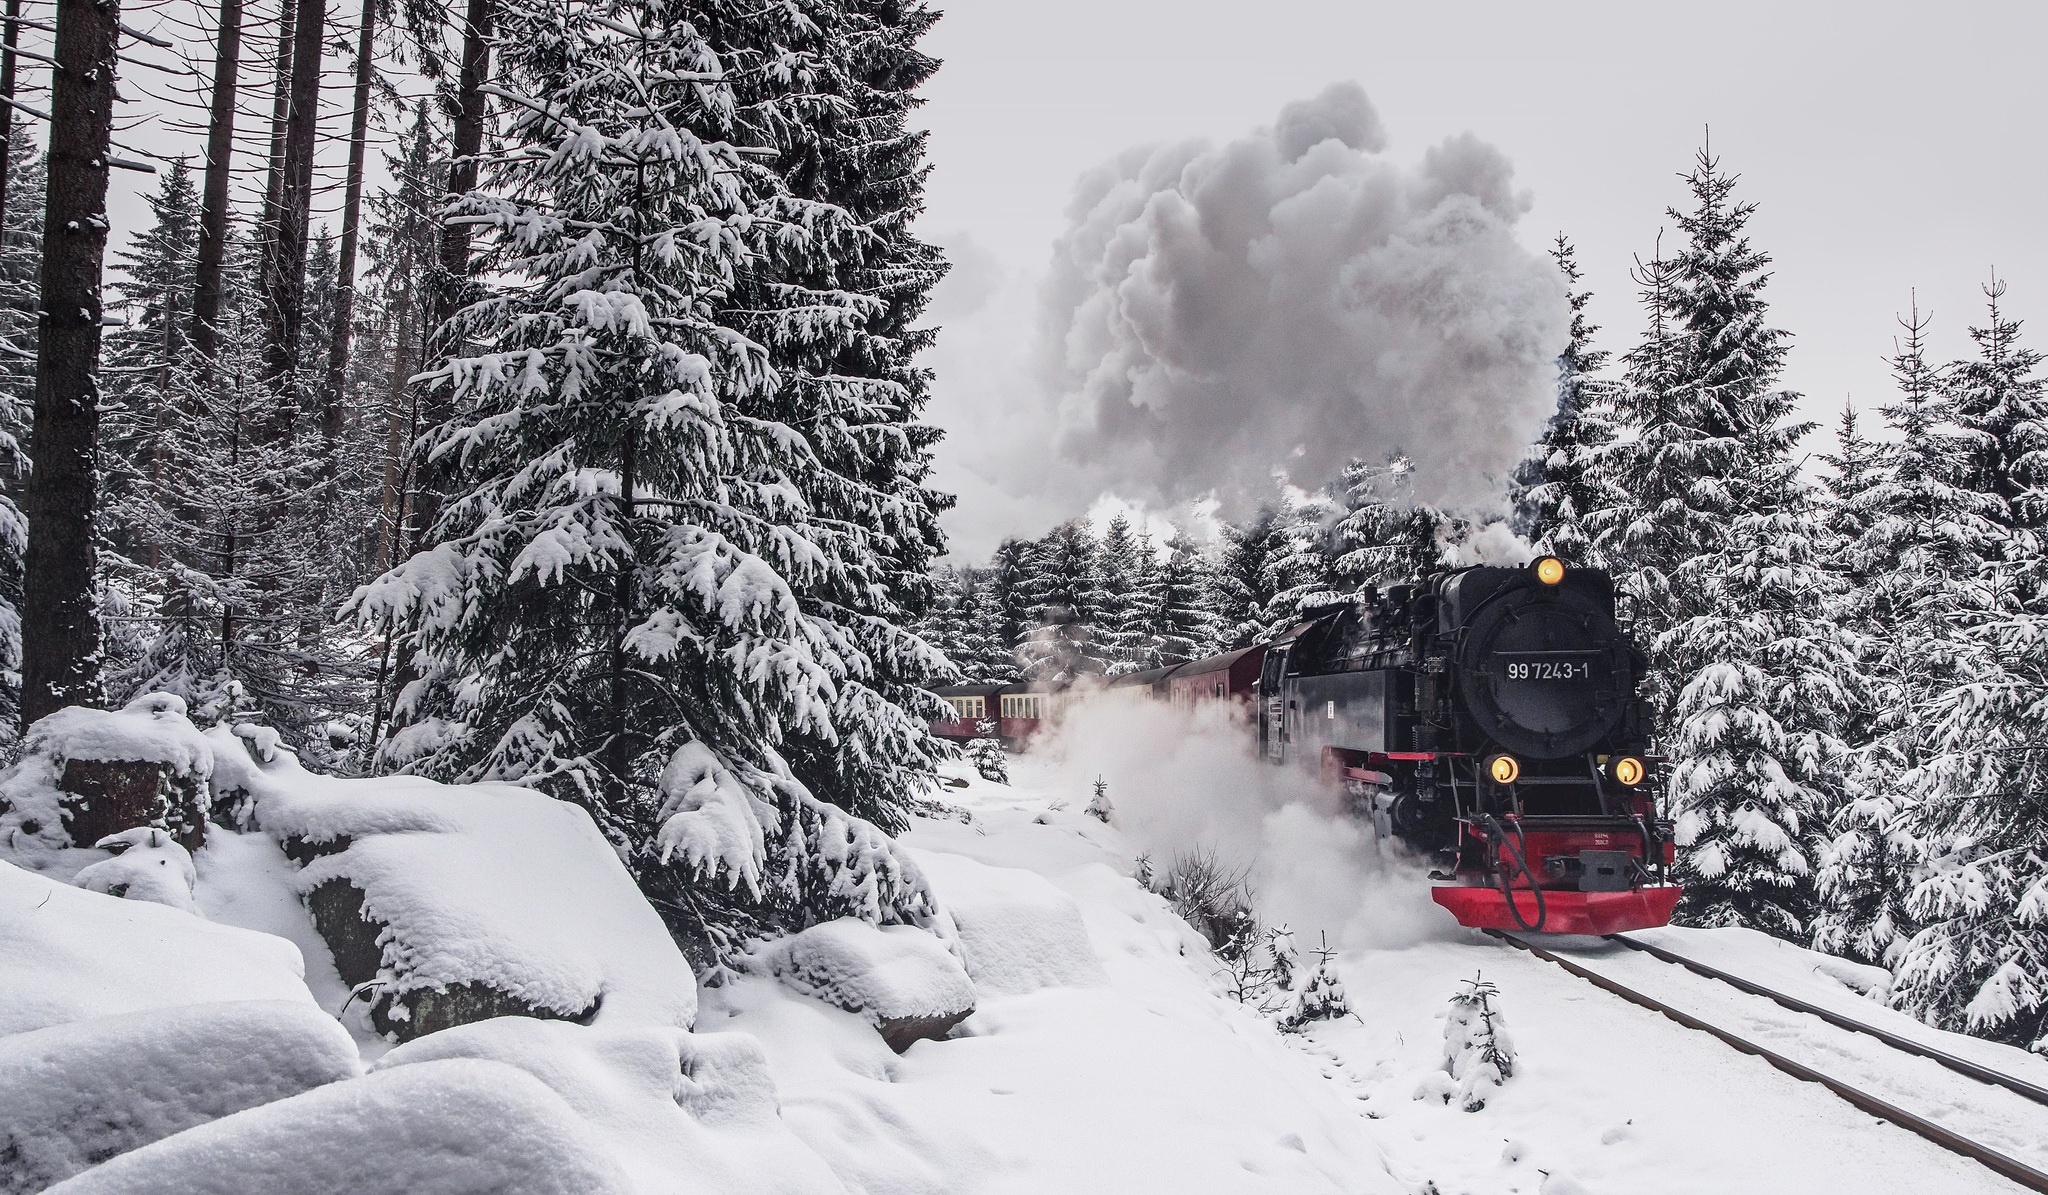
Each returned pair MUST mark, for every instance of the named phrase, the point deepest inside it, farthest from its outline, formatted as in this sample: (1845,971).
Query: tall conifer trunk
(451,291)
(9,38)
(285,275)
(345,268)
(213,200)
(60,622)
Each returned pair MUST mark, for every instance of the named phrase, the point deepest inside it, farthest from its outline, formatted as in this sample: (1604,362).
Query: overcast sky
(1890,146)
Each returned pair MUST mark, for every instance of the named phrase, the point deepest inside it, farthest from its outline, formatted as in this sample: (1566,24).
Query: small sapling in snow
(987,755)
(1099,807)
(1477,1052)
(1322,998)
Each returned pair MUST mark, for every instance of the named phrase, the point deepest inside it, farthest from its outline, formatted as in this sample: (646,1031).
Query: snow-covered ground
(1103,1054)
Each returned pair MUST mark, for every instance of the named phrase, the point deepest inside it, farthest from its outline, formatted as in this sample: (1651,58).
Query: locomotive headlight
(1628,770)
(1549,570)
(1504,769)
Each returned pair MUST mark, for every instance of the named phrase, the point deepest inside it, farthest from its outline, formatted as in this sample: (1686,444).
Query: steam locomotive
(1487,716)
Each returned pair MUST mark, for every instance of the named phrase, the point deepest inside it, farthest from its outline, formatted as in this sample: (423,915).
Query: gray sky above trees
(1891,146)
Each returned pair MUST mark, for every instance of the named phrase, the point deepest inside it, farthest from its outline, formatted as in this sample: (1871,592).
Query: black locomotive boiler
(1490,716)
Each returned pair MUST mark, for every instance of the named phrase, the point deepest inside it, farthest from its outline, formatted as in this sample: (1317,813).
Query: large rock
(357,941)
(76,1094)
(902,979)
(449,1127)
(86,774)
(460,903)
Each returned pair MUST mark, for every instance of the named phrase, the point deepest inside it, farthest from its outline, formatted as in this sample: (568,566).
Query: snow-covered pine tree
(1478,1054)
(1008,567)
(1385,537)
(1248,574)
(1062,590)
(830,86)
(1664,469)
(1119,631)
(1305,566)
(2001,399)
(637,594)
(1758,667)
(1977,960)
(944,625)
(1557,487)
(1925,537)
(1181,619)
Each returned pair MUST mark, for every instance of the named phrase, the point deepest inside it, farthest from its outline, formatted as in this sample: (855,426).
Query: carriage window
(1331,712)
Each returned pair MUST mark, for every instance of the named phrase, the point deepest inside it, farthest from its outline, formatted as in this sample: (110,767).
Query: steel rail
(2012,1168)
(1962,1066)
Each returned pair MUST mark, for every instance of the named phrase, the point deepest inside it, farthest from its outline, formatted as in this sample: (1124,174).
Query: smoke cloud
(1187,780)
(1292,300)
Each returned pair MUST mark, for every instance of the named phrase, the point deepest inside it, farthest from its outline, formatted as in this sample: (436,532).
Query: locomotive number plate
(1545,666)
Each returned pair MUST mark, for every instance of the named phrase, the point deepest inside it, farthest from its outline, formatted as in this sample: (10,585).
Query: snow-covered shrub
(988,757)
(1214,898)
(147,865)
(1320,999)
(1478,1054)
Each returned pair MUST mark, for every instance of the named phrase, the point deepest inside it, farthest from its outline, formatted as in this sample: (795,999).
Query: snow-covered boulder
(76,1094)
(1017,932)
(148,864)
(466,902)
(683,1113)
(902,979)
(67,954)
(450,1127)
(85,774)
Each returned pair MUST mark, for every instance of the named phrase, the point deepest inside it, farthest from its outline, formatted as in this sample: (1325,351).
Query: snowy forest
(1849,653)
(585,451)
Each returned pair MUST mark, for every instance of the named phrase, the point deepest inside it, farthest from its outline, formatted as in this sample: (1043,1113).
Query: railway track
(2004,1164)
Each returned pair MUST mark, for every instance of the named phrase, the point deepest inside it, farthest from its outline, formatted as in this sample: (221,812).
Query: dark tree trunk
(398,423)
(452,285)
(280,109)
(284,282)
(213,201)
(60,628)
(345,268)
(9,38)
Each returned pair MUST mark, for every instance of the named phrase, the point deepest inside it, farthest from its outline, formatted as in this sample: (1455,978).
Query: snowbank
(1017,932)
(902,980)
(683,1113)
(75,1094)
(147,865)
(71,954)
(439,889)
(451,1127)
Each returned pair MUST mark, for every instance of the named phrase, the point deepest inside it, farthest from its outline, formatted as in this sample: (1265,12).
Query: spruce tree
(1062,590)
(1120,577)
(1249,575)
(1557,487)
(1973,822)
(1756,667)
(643,589)
(1385,537)
(1181,618)
(1924,539)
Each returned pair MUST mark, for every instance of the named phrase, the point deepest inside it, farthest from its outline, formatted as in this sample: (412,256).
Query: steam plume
(1292,300)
